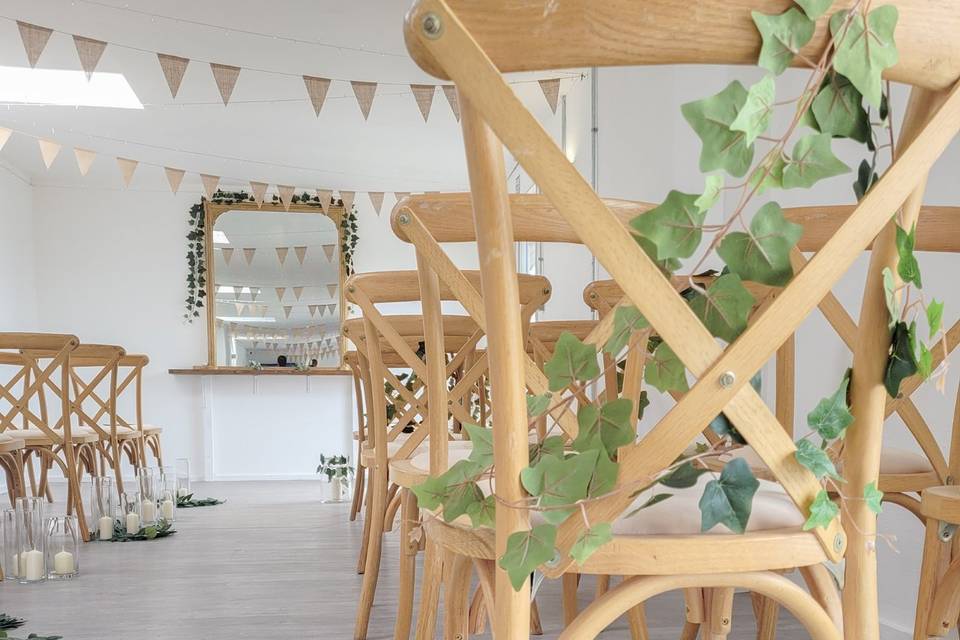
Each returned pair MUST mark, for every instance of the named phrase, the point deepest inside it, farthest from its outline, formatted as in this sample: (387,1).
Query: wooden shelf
(266,371)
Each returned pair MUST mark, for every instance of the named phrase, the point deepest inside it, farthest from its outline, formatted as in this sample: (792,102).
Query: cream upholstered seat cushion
(456,452)
(9,442)
(34,435)
(893,461)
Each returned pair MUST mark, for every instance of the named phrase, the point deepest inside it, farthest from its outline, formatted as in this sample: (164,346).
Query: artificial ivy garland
(196,260)
(846,86)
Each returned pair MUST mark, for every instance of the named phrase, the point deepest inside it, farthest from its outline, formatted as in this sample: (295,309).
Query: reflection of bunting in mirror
(331,290)
(282,254)
(330,308)
(248,254)
(313,310)
(301,254)
(297,292)
(286,311)
(227,254)
(280,291)
(328,250)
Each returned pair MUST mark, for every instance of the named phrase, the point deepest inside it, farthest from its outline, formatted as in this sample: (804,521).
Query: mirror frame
(212,211)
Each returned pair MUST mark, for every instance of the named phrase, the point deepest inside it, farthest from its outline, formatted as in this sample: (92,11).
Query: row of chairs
(74,406)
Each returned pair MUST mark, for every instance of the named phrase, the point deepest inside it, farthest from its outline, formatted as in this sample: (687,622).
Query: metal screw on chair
(945,531)
(546,291)
(403,218)
(838,542)
(351,289)
(432,26)
(727,379)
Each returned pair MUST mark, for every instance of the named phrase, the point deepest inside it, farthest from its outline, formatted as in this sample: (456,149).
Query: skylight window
(64,87)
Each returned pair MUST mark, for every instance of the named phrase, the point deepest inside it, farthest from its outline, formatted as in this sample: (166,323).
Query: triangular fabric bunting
(400,195)
(173,69)
(254,292)
(322,308)
(324,195)
(34,40)
(551,91)
(347,197)
(227,254)
(450,91)
(259,190)
(210,184)
(239,307)
(49,150)
(238,292)
(313,309)
(297,292)
(226,77)
(127,167)
(328,249)
(376,199)
(331,290)
(4,136)
(364,91)
(330,308)
(248,254)
(89,51)
(286,195)
(174,177)
(84,159)
(282,254)
(280,291)
(423,94)
(317,90)
(301,254)
(286,311)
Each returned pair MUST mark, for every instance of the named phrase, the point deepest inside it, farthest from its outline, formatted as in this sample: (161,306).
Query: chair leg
(357,494)
(456,591)
(393,505)
(603,585)
(933,549)
(637,617)
(767,613)
(720,613)
(536,627)
(409,517)
(478,613)
(365,540)
(371,571)
(569,584)
(429,591)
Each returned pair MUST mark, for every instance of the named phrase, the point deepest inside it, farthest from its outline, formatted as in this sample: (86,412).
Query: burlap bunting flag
(450,91)
(328,250)
(254,292)
(330,308)
(259,190)
(286,195)
(34,40)
(4,136)
(280,291)
(84,158)
(313,310)
(127,167)
(324,196)
(376,199)
(174,177)
(282,254)
(423,94)
(48,150)
(89,52)
(226,76)
(347,197)
(551,91)
(317,90)
(301,253)
(364,92)
(227,254)
(331,290)
(297,292)
(248,254)
(286,311)
(210,184)
(173,69)
(400,195)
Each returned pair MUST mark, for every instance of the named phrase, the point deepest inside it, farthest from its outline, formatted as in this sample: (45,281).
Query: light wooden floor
(271,563)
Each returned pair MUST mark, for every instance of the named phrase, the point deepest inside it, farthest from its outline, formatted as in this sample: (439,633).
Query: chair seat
(9,443)
(148,429)
(942,503)
(35,436)
(893,461)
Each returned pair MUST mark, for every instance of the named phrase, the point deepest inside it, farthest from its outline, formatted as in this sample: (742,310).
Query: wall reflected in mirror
(277,289)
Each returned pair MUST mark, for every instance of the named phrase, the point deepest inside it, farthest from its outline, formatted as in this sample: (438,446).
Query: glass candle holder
(30,559)
(167,495)
(183,478)
(62,547)
(131,516)
(147,482)
(11,545)
(101,508)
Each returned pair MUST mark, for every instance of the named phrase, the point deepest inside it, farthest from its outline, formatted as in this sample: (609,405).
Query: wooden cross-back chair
(11,459)
(472,44)
(351,359)
(25,416)
(130,369)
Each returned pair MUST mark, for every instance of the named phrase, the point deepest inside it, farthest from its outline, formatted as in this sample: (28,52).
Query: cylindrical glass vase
(167,496)
(131,516)
(31,560)
(147,482)
(183,478)
(62,547)
(11,545)
(101,510)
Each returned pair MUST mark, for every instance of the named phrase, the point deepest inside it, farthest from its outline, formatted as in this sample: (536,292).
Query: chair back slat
(520,35)
(404,286)
(938,228)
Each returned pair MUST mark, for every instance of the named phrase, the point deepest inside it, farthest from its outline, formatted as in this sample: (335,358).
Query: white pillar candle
(167,509)
(181,492)
(133,523)
(149,509)
(32,565)
(15,569)
(63,563)
(106,528)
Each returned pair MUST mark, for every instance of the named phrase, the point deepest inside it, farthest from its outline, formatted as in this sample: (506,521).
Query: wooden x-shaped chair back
(473,43)
(94,375)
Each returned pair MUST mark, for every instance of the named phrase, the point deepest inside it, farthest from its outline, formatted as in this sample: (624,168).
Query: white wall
(18,301)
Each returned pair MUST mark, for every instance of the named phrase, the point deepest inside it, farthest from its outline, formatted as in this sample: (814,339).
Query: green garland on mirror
(196,260)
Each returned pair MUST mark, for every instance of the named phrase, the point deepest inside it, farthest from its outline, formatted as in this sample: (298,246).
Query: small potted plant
(339,476)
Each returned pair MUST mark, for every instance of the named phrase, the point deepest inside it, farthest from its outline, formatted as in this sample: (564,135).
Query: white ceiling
(277,142)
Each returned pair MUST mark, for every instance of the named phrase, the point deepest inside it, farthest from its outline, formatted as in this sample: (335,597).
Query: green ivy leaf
(814,8)
(559,481)
(604,476)
(665,371)
(538,405)
(549,446)
(483,513)
(482,439)
(873,497)
(890,292)
(527,550)
(763,255)
(613,423)
(822,512)
(675,227)
(811,161)
(866,178)
(831,417)
(902,362)
(430,493)
(754,117)
(626,320)
(866,49)
(907,265)
(683,477)
(713,184)
(729,499)
(783,36)
(668,266)
(572,360)
(925,362)
(656,498)
(934,316)
(816,460)
(725,307)
(710,118)
(838,110)
(591,540)
(772,179)
(460,499)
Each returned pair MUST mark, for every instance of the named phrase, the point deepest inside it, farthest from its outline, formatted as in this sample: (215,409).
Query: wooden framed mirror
(274,286)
